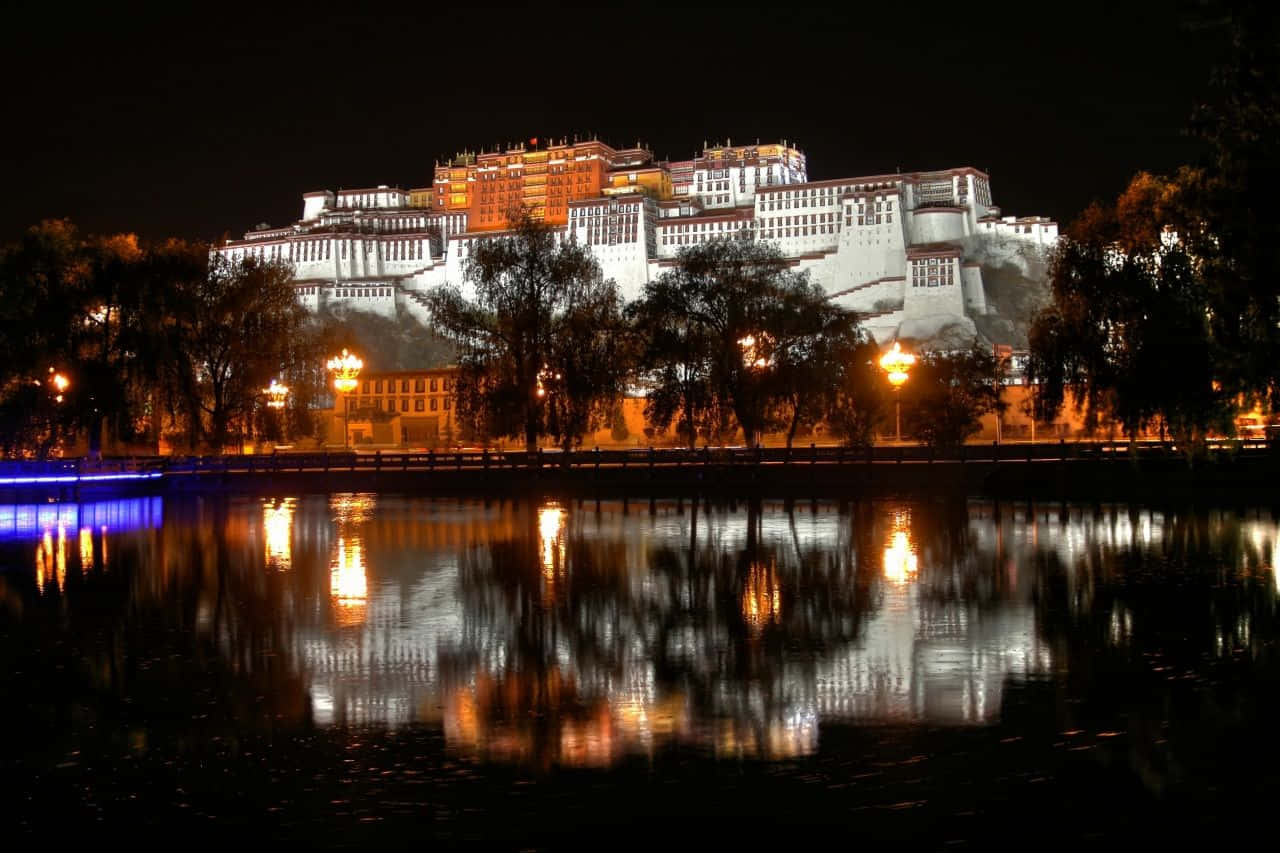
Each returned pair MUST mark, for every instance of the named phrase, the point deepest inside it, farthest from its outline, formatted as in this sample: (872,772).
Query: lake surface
(357,667)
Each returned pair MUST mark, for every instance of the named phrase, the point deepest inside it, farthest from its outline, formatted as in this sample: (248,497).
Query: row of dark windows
(420,384)
(419,404)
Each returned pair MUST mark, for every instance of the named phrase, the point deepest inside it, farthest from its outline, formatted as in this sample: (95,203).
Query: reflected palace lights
(348,575)
(761,597)
(900,560)
(349,583)
(552,520)
(437,612)
(277,528)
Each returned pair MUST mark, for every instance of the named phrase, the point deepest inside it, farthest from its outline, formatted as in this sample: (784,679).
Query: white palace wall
(855,237)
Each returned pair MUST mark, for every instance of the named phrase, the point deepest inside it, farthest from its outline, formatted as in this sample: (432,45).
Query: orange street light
(276,394)
(545,373)
(897,365)
(753,350)
(60,384)
(345,368)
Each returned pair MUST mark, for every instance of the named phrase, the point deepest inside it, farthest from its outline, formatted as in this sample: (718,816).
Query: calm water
(353,667)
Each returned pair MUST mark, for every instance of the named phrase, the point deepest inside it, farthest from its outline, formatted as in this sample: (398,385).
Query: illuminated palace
(906,250)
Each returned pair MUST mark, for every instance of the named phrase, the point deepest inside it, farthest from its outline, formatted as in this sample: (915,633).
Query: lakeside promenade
(1096,470)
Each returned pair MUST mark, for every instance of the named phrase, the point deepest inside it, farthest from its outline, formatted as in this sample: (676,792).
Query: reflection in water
(86,549)
(27,521)
(349,583)
(761,597)
(277,527)
(348,577)
(50,525)
(51,560)
(900,560)
(579,635)
(45,561)
(551,536)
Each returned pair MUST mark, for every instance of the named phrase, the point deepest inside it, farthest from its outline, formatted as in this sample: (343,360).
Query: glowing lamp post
(60,384)
(897,364)
(755,360)
(540,390)
(345,368)
(276,394)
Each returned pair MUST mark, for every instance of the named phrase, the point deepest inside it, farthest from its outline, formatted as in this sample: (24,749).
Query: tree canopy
(947,394)
(143,335)
(539,341)
(1165,303)
(733,333)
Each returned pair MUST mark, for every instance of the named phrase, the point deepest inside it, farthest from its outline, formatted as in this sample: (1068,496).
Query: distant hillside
(399,343)
(1015,278)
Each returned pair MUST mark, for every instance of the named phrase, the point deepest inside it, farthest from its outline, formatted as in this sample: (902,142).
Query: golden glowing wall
(544,181)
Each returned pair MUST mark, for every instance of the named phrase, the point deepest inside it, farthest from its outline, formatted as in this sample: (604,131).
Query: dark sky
(192,124)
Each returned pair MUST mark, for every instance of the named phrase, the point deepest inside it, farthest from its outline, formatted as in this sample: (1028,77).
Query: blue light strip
(79,478)
(20,522)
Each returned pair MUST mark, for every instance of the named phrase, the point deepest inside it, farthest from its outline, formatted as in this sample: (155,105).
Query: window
(404,386)
(419,404)
(419,385)
(364,387)
(446,404)
(433,404)
(377,387)
(433,384)
(404,404)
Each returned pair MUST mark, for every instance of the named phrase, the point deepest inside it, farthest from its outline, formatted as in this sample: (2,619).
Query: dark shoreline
(1254,476)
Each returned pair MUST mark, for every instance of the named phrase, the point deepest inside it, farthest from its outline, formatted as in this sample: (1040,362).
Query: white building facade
(899,249)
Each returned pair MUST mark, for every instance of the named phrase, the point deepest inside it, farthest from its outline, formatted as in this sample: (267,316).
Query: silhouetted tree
(859,403)
(732,330)
(1231,226)
(1128,334)
(239,326)
(948,393)
(70,308)
(816,347)
(537,345)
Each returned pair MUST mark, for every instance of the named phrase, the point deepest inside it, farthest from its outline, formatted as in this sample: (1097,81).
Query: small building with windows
(403,408)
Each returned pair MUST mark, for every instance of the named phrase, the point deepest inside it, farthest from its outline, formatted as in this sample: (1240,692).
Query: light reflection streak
(44,560)
(86,549)
(348,575)
(551,539)
(51,559)
(900,561)
(277,528)
(761,597)
(348,583)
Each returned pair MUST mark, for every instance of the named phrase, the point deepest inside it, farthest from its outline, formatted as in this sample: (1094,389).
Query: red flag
(533,140)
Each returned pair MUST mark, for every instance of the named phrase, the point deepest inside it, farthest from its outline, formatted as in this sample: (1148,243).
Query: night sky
(192,125)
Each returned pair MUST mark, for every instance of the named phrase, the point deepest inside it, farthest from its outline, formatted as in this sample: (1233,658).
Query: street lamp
(755,360)
(753,349)
(276,394)
(345,368)
(897,364)
(540,390)
(60,384)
